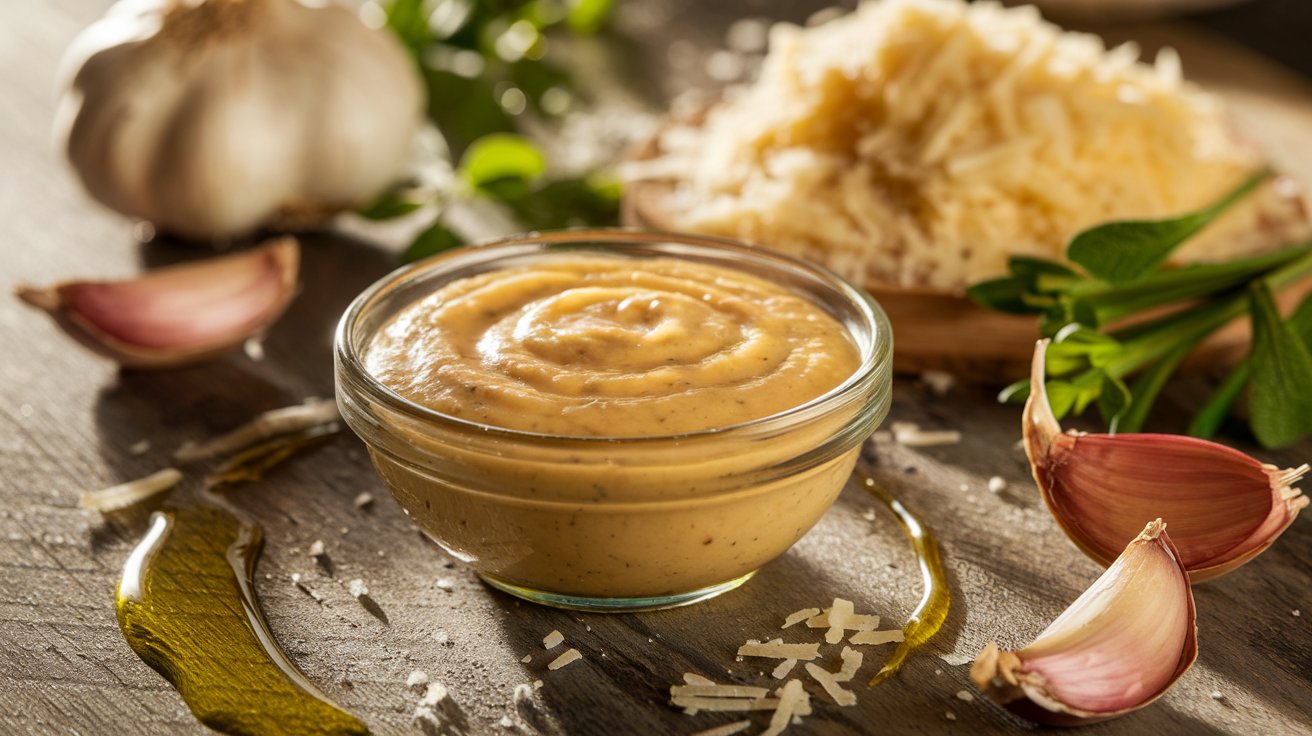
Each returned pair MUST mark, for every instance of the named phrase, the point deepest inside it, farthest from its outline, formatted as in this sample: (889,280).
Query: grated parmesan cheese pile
(921,142)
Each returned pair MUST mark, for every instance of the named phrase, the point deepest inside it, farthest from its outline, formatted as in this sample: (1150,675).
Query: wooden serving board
(70,419)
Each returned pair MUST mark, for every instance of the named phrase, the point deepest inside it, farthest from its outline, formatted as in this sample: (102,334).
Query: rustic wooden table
(70,419)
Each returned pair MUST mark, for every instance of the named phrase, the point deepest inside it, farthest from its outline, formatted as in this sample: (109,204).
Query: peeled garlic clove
(1118,647)
(1223,506)
(177,315)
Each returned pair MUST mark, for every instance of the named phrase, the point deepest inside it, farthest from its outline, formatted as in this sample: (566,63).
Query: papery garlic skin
(1117,648)
(212,118)
(177,315)
(1223,506)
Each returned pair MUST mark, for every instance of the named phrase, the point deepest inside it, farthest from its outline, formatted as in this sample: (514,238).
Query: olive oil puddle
(929,615)
(187,606)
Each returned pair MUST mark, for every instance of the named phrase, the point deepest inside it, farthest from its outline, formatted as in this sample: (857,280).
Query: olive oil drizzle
(187,606)
(929,615)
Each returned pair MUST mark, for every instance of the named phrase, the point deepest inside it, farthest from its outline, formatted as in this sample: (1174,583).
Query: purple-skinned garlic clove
(1117,648)
(180,314)
(1224,507)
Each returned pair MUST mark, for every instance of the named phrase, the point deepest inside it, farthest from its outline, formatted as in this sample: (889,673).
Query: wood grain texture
(69,420)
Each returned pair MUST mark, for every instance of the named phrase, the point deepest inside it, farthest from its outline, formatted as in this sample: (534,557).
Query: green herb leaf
(1208,419)
(586,17)
(1113,399)
(1121,252)
(1148,385)
(500,157)
(1015,393)
(1001,295)
(1061,397)
(1281,398)
(436,239)
(389,205)
(1041,275)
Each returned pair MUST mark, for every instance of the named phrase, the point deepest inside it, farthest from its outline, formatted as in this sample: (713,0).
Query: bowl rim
(873,377)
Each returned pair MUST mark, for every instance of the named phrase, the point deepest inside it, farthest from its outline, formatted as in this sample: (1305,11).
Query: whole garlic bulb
(210,118)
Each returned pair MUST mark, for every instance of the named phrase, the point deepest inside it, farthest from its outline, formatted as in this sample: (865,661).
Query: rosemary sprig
(1120,314)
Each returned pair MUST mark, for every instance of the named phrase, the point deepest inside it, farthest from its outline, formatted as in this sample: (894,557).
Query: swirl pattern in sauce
(593,346)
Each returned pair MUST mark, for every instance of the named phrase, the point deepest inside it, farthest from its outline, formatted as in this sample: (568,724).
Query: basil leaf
(1120,252)
(499,157)
(1004,294)
(1281,397)
(436,239)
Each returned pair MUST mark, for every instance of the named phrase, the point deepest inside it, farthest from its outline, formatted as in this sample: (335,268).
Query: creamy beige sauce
(596,347)
(608,347)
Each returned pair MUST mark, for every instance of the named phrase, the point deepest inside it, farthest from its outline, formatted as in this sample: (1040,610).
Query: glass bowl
(615,523)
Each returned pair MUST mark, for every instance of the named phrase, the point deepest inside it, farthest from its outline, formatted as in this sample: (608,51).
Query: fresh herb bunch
(485,68)
(1124,315)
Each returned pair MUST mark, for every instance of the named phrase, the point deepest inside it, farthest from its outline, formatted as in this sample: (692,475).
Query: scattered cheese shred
(911,435)
(851,663)
(553,640)
(417,678)
(876,637)
(792,701)
(799,616)
(693,678)
(826,679)
(719,691)
(839,613)
(568,657)
(286,420)
(778,650)
(724,704)
(783,669)
(130,493)
(728,729)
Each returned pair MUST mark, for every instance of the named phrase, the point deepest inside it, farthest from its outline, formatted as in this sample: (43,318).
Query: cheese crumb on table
(908,434)
(876,637)
(553,640)
(417,678)
(997,484)
(799,616)
(778,650)
(826,679)
(793,700)
(965,695)
(357,588)
(569,656)
(783,669)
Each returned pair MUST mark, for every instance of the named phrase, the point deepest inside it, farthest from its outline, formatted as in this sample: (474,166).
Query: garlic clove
(180,314)
(1117,648)
(1223,506)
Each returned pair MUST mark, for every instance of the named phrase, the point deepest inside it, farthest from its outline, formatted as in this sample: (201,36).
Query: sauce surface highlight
(611,347)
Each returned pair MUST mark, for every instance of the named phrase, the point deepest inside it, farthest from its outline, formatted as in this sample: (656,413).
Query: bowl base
(613,605)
